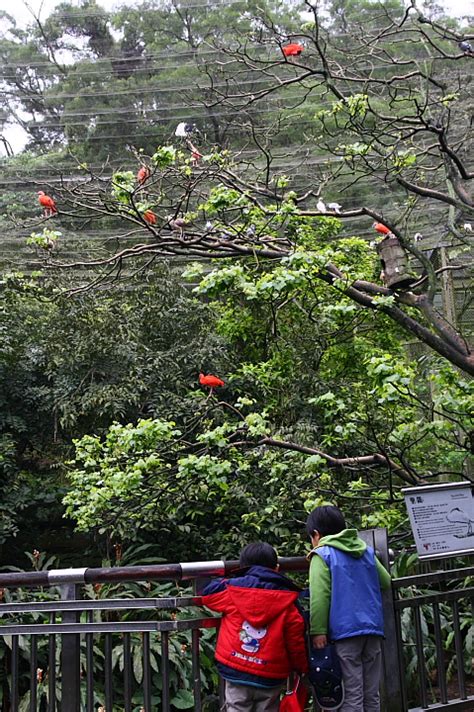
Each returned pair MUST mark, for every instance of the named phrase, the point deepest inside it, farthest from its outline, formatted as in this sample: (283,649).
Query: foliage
(72,367)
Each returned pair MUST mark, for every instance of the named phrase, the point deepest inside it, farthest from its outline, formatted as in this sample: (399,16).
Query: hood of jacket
(267,595)
(347,541)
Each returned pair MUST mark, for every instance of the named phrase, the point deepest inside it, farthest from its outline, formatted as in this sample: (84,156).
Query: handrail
(434,577)
(122,574)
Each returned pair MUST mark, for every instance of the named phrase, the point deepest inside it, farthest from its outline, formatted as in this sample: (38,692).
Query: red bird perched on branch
(381,228)
(143,174)
(210,381)
(149,217)
(47,203)
(293,49)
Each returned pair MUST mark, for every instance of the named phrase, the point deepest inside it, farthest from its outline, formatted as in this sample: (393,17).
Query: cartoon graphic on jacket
(349,603)
(261,636)
(250,637)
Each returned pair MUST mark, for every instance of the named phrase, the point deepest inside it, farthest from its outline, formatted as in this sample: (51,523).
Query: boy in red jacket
(261,637)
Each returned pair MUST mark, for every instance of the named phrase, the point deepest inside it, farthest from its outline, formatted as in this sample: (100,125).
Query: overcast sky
(20,12)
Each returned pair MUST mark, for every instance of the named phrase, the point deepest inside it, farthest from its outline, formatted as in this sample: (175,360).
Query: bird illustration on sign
(458,516)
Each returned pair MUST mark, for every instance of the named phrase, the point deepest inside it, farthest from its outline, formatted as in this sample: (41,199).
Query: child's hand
(319,641)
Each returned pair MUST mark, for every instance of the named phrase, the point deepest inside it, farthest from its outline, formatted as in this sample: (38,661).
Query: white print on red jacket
(250,637)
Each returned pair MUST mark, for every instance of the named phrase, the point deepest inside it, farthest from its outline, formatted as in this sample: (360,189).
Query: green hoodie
(320,576)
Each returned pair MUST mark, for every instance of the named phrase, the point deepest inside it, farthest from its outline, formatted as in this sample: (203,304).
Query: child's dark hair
(325,520)
(258,554)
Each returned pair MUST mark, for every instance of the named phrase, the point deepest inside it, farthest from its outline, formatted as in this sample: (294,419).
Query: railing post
(67,580)
(391,672)
(70,656)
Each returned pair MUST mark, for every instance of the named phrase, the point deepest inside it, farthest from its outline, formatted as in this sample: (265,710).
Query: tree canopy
(244,248)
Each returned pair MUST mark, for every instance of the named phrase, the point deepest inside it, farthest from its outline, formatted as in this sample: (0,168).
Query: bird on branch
(467,48)
(293,49)
(178,224)
(185,130)
(47,203)
(320,205)
(149,217)
(381,228)
(210,381)
(335,207)
(143,174)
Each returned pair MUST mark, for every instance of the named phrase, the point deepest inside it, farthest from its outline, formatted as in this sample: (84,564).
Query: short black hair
(259,553)
(325,520)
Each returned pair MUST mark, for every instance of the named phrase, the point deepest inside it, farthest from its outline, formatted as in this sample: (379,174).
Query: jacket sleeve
(295,640)
(384,577)
(319,596)
(216,601)
(215,586)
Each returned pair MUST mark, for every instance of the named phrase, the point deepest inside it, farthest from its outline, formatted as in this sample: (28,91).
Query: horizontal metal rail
(122,574)
(435,577)
(103,604)
(438,597)
(119,627)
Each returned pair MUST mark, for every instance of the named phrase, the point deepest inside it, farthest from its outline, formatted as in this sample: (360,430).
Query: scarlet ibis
(47,203)
(381,228)
(293,49)
(143,174)
(149,217)
(210,381)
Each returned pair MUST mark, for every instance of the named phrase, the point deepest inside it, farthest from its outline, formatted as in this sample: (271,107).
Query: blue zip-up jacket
(345,583)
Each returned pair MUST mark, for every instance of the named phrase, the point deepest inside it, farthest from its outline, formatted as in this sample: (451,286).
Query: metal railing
(72,654)
(433,629)
(67,649)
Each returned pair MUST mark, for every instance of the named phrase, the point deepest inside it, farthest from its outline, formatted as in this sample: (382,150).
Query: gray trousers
(243,698)
(361,663)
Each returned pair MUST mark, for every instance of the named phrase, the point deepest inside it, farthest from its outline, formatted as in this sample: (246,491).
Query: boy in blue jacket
(345,581)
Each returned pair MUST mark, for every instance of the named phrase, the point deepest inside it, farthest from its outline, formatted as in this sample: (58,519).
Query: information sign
(441,518)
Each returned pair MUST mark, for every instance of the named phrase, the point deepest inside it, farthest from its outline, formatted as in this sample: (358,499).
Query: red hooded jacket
(262,631)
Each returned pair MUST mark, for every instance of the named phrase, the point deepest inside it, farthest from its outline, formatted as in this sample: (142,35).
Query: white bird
(417,236)
(467,227)
(181,130)
(321,206)
(335,206)
(208,226)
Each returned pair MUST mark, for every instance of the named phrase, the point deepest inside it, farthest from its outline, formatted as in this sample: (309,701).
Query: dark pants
(361,663)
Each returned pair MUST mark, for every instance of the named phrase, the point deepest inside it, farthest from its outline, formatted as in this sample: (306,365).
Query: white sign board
(441,518)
